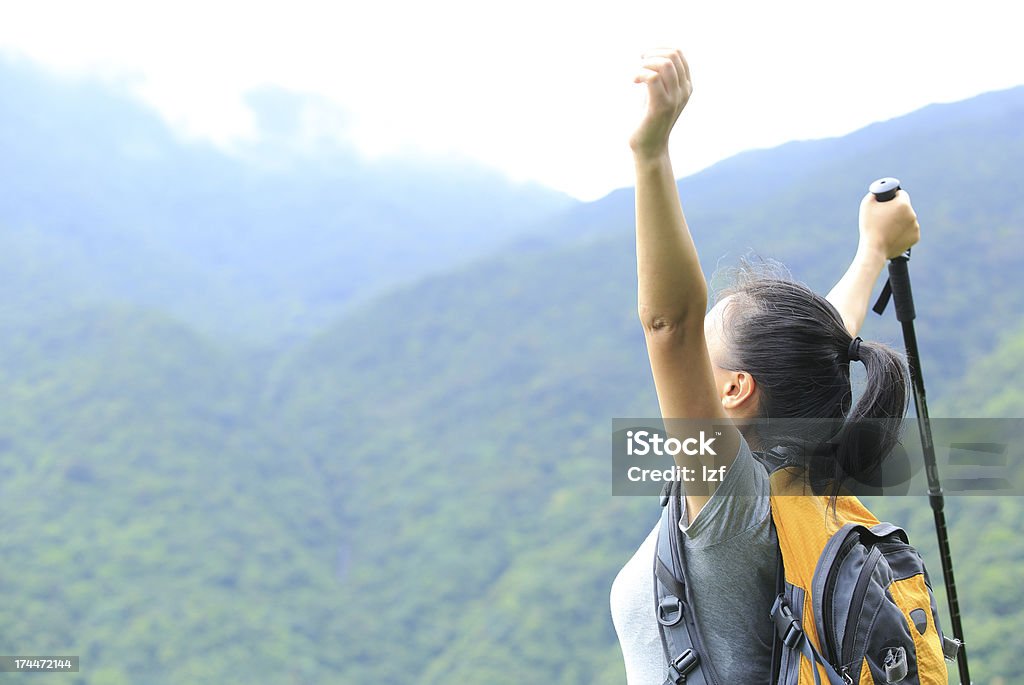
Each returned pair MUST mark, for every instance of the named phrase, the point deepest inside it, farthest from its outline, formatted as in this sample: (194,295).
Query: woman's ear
(738,392)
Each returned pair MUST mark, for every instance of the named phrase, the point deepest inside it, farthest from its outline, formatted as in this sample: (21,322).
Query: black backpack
(853,597)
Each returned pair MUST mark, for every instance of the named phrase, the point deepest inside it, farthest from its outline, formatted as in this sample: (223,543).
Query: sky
(539,89)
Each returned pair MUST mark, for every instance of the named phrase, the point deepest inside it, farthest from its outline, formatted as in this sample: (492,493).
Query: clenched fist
(888,227)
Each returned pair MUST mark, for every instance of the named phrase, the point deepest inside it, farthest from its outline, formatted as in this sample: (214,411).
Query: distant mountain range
(100,200)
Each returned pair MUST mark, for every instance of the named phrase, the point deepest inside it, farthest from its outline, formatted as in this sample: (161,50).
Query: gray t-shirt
(731,561)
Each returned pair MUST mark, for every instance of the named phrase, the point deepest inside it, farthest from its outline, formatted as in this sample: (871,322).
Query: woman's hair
(794,344)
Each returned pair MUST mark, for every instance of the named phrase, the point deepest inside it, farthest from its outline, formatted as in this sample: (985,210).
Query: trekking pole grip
(884,190)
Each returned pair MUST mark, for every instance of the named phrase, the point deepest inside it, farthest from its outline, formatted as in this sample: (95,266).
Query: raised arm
(887,230)
(673,293)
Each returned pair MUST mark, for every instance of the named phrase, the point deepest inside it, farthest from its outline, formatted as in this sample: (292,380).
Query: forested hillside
(420,491)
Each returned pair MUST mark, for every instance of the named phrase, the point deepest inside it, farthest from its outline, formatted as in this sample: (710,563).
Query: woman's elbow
(676,326)
(671,320)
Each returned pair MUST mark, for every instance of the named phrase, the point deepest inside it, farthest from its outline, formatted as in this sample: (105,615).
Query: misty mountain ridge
(263,244)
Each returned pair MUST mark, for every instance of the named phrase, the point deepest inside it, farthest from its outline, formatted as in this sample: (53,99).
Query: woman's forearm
(852,294)
(671,286)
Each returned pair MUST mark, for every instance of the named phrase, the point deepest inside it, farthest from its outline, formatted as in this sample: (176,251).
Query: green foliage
(992,385)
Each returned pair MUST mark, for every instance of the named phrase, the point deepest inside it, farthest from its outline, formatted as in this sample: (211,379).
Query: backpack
(854,604)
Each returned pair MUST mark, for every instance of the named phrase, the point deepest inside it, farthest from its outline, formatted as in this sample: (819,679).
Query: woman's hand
(667,76)
(889,228)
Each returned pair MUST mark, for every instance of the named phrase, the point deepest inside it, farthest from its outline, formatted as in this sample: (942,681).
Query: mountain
(100,200)
(420,490)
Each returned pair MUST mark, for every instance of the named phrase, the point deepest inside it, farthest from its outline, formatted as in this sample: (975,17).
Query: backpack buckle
(950,647)
(786,625)
(681,665)
(670,611)
(894,661)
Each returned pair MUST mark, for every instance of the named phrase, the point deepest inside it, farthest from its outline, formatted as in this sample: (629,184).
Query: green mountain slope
(991,385)
(148,516)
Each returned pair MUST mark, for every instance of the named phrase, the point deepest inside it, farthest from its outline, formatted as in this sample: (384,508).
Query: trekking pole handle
(884,190)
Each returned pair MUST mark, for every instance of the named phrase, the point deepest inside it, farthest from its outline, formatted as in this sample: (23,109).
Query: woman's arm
(887,230)
(672,291)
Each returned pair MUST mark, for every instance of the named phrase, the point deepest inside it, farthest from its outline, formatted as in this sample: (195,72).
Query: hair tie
(853,352)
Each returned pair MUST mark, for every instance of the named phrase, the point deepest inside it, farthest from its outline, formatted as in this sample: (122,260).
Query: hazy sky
(541,89)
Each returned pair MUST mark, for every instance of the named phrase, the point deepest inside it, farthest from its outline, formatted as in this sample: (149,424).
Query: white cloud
(541,88)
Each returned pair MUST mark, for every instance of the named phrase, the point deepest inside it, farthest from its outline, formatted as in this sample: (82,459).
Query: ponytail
(873,426)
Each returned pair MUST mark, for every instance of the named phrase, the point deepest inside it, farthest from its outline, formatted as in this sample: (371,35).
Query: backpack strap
(780,591)
(790,634)
(793,637)
(673,600)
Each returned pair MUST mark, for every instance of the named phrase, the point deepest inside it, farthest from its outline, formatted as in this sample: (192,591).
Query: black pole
(884,190)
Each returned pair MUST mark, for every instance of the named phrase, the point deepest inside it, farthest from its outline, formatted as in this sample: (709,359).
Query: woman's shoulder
(740,503)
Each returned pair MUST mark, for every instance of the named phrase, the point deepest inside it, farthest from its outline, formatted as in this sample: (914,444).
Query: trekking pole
(898,287)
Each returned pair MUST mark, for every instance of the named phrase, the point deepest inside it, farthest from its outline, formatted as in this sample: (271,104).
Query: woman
(768,348)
